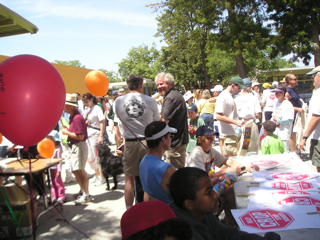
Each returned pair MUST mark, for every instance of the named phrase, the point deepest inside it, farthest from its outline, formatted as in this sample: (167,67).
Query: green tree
(297,27)
(112,75)
(185,27)
(73,63)
(141,60)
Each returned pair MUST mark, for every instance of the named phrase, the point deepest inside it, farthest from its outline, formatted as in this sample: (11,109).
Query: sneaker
(93,179)
(100,181)
(77,195)
(83,200)
(70,179)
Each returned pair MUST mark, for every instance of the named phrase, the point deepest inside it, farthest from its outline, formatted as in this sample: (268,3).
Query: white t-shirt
(136,110)
(284,111)
(226,105)
(93,116)
(269,99)
(247,106)
(205,161)
(314,108)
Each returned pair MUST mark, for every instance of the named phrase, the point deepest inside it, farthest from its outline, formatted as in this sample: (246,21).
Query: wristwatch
(304,137)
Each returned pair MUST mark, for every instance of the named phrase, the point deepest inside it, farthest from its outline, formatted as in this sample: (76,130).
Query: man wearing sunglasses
(154,173)
(293,97)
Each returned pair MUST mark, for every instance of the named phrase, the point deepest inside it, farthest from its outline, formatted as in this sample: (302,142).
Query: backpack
(111,113)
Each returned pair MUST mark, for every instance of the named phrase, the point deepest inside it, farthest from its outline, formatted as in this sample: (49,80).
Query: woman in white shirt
(96,126)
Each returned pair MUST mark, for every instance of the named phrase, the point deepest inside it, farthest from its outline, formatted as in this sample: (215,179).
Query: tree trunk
(205,69)
(315,39)
(240,66)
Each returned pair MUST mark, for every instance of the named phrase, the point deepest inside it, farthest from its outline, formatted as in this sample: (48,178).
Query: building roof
(12,23)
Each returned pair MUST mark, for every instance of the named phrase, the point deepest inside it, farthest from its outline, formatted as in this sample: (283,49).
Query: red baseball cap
(144,215)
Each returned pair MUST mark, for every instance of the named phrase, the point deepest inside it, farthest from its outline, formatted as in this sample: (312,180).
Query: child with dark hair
(271,144)
(195,201)
(153,220)
(154,173)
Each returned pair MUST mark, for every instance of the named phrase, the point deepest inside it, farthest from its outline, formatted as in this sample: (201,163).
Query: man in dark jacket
(195,201)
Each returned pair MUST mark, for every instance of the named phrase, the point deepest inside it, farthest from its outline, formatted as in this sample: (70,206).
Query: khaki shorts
(177,156)
(133,154)
(230,145)
(78,154)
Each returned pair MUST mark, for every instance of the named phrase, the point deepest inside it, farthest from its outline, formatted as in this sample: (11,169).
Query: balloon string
(31,199)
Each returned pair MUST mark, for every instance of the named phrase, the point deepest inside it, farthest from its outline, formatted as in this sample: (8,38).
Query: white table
(244,182)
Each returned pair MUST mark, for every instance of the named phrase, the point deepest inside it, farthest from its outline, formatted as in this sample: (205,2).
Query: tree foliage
(112,75)
(297,28)
(141,60)
(73,63)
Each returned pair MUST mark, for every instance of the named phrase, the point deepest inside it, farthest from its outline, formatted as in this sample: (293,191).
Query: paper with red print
(265,220)
(292,176)
(284,201)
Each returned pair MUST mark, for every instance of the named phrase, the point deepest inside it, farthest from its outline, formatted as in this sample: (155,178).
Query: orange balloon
(46,148)
(97,83)
(1,138)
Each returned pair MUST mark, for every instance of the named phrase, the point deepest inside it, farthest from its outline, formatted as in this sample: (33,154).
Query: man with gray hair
(135,110)
(174,113)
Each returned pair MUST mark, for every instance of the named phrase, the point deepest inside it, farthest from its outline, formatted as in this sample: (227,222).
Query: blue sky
(98,33)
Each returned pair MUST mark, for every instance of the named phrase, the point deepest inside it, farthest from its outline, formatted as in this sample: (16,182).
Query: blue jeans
(208,119)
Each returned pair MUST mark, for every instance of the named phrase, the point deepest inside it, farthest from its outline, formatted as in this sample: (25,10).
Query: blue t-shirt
(151,171)
(295,99)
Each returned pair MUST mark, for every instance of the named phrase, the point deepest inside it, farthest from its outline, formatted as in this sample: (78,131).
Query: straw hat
(72,99)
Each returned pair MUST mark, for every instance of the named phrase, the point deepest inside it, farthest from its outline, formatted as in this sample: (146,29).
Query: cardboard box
(20,205)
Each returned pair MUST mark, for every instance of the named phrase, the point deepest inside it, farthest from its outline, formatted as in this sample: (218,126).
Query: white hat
(275,84)
(315,70)
(72,99)
(255,84)
(217,88)
(162,133)
(187,96)
(157,97)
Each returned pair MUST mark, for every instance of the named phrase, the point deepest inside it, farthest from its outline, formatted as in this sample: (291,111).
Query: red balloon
(32,98)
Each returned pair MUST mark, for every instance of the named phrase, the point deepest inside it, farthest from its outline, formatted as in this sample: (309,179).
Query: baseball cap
(315,70)
(187,96)
(144,215)
(115,92)
(205,131)
(238,81)
(277,90)
(217,88)
(247,82)
(192,108)
(275,84)
(55,135)
(255,84)
(266,85)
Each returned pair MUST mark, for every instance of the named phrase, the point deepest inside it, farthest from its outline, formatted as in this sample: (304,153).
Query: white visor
(162,133)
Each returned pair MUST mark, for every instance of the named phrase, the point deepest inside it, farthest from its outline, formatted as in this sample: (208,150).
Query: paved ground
(98,220)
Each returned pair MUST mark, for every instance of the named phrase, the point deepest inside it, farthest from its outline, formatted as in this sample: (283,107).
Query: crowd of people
(166,143)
